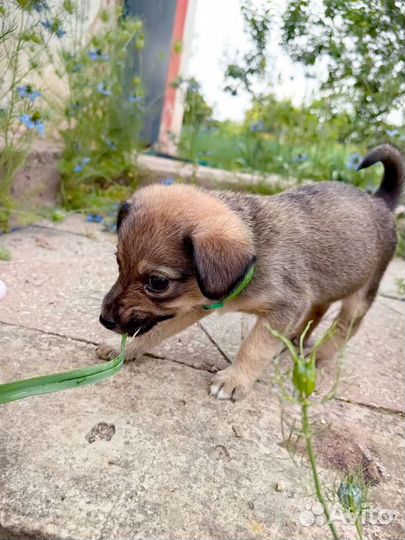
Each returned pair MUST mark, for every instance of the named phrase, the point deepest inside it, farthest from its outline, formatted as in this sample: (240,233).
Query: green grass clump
(5,254)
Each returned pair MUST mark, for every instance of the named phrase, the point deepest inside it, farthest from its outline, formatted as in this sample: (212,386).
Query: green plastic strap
(61,381)
(236,292)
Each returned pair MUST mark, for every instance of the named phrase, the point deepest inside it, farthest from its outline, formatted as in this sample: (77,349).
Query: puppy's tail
(394,172)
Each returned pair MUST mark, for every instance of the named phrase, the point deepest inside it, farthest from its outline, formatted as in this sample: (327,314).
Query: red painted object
(172,112)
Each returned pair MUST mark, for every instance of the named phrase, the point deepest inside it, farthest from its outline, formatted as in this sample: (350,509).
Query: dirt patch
(102,430)
(341,453)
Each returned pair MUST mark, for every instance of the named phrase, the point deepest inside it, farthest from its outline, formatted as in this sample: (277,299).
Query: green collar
(236,292)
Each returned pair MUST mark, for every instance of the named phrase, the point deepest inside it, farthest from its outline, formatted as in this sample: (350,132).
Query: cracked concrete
(148,454)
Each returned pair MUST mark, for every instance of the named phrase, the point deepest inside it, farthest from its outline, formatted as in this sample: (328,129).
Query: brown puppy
(181,248)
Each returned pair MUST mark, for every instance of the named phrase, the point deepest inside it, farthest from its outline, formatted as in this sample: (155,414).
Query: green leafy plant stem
(307,432)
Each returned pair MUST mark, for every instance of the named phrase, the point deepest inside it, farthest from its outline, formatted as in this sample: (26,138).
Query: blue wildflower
(111,144)
(73,109)
(135,99)
(28,93)
(301,158)
(392,132)
(353,161)
(258,127)
(81,165)
(40,5)
(54,27)
(33,122)
(193,86)
(98,56)
(102,89)
(168,181)
(95,218)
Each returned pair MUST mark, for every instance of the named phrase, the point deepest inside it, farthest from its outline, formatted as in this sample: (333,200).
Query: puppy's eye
(157,283)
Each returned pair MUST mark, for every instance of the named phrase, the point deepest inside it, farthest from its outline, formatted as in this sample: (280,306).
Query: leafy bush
(197,115)
(362,45)
(24,32)
(102,117)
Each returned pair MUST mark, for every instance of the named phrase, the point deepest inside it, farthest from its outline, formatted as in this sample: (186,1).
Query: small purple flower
(98,56)
(95,218)
(102,89)
(33,122)
(353,161)
(81,165)
(168,181)
(28,93)
(54,27)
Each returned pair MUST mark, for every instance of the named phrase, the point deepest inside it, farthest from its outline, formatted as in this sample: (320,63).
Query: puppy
(183,251)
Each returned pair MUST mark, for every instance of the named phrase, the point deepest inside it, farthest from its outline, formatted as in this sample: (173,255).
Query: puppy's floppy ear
(122,214)
(221,261)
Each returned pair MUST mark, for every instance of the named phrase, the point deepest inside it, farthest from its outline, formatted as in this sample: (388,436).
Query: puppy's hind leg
(352,312)
(314,316)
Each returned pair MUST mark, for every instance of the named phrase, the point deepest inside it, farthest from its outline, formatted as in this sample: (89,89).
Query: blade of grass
(61,381)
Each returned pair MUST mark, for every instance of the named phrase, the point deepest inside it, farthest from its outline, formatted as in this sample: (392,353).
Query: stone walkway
(148,454)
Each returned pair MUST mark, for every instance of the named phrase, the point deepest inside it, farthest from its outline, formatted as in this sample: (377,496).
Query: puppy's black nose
(108,323)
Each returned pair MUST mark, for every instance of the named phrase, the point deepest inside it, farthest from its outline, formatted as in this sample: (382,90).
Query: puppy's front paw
(230,383)
(105,351)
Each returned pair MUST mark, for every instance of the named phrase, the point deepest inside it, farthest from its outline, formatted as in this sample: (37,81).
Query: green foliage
(400,284)
(196,109)
(352,494)
(242,148)
(5,254)
(102,116)
(304,379)
(241,74)
(401,233)
(22,38)
(197,115)
(363,45)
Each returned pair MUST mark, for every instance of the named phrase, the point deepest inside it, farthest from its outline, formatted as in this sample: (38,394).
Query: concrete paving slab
(226,331)
(193,348)
(168,461)
(370,371)
(392,280)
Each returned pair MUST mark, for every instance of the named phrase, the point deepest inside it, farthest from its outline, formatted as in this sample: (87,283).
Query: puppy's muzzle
(107,323)
(134,326)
